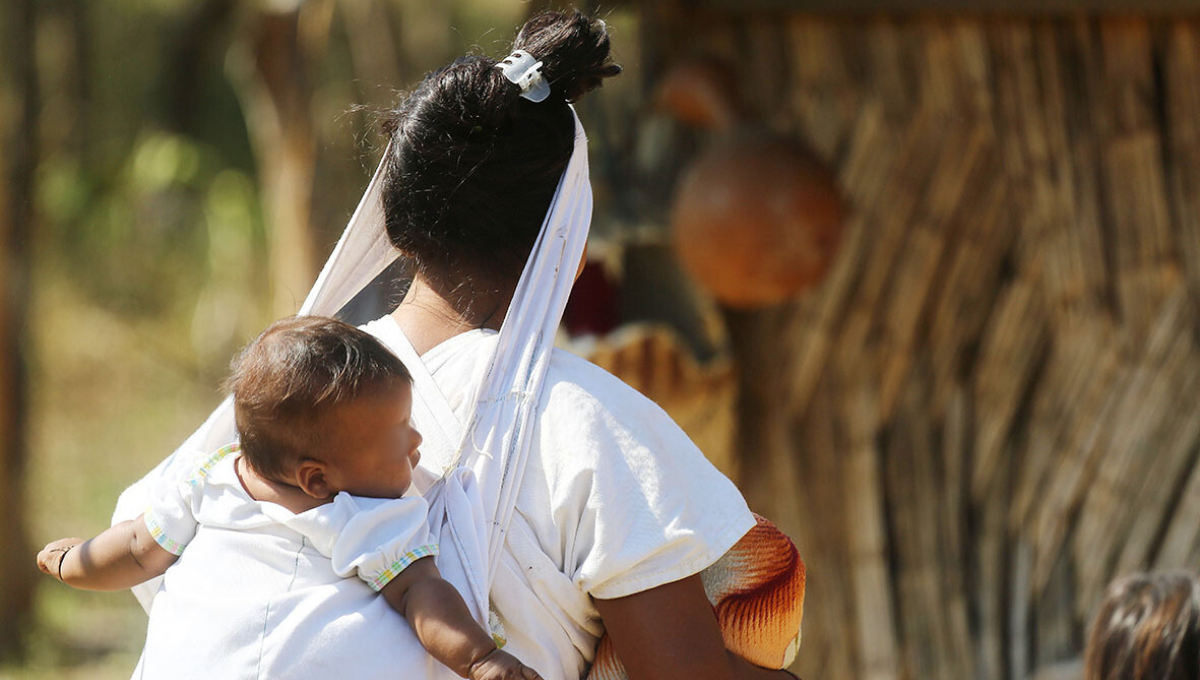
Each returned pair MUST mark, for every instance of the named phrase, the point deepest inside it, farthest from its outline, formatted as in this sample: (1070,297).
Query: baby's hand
(50,558)
(500,665)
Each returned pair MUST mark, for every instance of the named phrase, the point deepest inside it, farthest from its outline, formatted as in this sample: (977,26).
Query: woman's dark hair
(293,374)
(1148,628)
(474,165)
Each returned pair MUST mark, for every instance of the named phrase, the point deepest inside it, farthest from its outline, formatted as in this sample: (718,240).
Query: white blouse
(616,499)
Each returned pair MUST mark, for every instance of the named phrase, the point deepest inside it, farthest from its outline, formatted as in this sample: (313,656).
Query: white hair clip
(521,68)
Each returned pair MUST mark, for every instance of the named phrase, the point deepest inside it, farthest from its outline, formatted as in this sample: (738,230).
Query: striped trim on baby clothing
(215,458)
(170,545)
(154,525)
(401,564)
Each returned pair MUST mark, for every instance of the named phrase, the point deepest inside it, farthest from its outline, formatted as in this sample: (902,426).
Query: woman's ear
(310,477)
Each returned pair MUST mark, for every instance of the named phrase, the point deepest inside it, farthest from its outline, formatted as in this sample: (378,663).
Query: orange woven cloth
(757,591)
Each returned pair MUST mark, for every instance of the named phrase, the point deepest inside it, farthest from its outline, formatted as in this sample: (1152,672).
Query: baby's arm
(121,557)
(445,627)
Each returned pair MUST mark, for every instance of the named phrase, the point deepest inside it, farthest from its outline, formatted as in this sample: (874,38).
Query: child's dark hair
(294,372)
(474,165)
(1147,628)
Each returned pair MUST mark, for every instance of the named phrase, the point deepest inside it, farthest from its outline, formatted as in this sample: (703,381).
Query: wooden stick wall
(992,406)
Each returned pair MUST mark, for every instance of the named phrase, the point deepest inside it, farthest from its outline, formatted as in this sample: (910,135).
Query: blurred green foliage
(141,241)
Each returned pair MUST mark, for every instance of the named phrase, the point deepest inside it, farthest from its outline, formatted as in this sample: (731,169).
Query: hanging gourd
(756,218)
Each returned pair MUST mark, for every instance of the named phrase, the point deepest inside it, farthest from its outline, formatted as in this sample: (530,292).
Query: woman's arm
(671,633)
(121,557)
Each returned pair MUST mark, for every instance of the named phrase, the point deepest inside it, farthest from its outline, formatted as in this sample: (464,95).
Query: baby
(290,534)
(1146,628)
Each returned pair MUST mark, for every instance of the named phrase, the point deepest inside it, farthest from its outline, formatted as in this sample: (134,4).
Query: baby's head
(1147,628)
(324,406)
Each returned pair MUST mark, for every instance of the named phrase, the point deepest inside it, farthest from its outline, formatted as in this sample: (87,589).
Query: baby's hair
(1148,628)
(294,372)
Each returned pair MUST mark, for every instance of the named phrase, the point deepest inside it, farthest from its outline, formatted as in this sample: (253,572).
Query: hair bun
(573,49)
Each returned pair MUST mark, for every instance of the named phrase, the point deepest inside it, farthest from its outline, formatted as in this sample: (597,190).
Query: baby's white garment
(261,592)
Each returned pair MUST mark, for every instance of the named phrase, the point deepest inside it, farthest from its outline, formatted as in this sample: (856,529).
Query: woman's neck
(429,314)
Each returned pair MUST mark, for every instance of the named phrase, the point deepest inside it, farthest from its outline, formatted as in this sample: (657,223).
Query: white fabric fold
(497,437)
(361,254)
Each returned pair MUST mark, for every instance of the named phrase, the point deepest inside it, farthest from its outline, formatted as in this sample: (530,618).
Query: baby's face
(376,448)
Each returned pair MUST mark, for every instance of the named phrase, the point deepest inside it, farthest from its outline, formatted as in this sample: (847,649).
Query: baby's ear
(310,477)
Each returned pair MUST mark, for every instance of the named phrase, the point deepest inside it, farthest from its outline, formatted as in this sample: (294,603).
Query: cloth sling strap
(361,254)
(440,428)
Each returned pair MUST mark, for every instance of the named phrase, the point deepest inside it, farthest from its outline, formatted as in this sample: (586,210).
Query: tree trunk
(270,74)
(17,569)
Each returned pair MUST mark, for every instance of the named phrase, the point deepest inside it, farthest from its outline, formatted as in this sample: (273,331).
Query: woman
(616,511)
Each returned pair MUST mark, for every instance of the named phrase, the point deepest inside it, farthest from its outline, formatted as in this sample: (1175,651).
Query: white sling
(471,516)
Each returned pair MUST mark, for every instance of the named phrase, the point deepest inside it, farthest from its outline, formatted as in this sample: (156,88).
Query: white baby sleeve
(381,537)
(170,515)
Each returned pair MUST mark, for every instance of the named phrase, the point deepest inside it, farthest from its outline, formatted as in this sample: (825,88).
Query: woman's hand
(50,558)
(500,665)
(671,633)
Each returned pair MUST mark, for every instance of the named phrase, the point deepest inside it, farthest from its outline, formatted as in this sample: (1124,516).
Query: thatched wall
(990,408)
